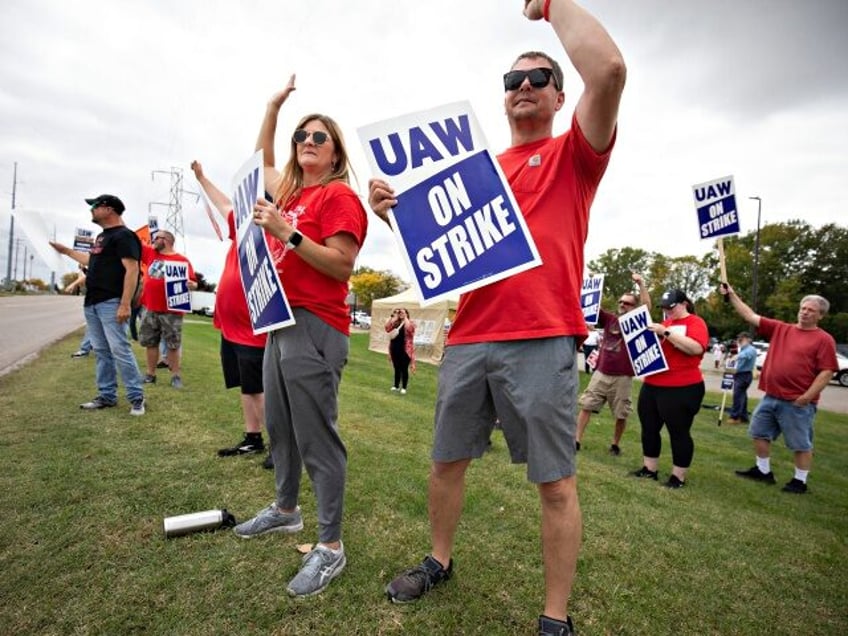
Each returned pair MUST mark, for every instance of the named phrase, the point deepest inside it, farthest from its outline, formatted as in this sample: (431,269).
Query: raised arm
(220,200)
(595,57)
(741,308)
(268,131)
(644,296)
(79,257)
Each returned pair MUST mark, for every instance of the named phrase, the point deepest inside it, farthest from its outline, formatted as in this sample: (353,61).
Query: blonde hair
(291,177)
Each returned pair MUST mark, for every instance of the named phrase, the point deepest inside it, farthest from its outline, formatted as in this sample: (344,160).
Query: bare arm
(644,296)
(687,345)
(741,308)
(268,131)
(598,61)
(821,380)
(79,257)
(220,200)
(335,258)
(130,282)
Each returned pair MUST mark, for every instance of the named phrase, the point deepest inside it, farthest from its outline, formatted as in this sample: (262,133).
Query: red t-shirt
(554,181)
(153,295)
(612,356)
(319,212)
(231,314)
(795,357)
(683,369)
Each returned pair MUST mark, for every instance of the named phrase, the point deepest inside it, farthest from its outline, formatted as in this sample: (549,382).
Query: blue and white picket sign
(590,297)
(83,239)
(456,221)
(726,381)
(715,202)
(153,226)
(176,286)
(266,301)
(643,345)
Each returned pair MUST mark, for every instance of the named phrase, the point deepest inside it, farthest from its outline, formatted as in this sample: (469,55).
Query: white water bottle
(208,520)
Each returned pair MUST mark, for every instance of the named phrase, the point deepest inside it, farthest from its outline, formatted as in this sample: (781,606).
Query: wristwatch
(666,333)
(294,240)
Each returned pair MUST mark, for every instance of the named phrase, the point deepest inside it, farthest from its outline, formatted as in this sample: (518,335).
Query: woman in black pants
(401,330)
(673,397)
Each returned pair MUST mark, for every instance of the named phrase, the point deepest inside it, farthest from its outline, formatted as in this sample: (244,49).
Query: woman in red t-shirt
(673,397)
(315,227)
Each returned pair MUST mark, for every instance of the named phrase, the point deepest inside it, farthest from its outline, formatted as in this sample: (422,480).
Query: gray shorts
(529,386)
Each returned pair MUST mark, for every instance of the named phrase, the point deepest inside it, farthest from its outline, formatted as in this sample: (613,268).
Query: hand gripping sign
(456,221)
(266,301)
(643,345)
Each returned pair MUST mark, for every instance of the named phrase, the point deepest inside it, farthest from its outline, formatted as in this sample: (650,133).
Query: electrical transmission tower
(174,214)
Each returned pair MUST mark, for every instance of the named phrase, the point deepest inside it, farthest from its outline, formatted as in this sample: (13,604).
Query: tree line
(795,259)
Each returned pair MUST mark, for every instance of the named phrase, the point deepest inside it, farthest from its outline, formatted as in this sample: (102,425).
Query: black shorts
(242,366)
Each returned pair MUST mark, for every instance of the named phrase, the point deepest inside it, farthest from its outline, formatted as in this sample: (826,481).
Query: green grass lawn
(83,496)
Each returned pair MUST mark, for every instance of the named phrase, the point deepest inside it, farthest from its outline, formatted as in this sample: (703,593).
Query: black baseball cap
(672,297)
(109,200)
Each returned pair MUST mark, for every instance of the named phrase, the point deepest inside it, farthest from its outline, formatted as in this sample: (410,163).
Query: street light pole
(756,254)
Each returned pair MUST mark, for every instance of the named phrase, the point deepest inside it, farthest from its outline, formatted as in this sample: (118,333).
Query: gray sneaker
(138,407)
(176,382)
(270,519)
(318,568)
(97,403)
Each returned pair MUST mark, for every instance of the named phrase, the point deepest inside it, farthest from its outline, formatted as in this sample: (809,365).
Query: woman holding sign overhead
(673,397)
(315,226)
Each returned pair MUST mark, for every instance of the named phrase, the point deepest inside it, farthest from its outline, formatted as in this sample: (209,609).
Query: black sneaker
(755,474)
(162,365)
(97,403)
(79,354)
(247,446)
(553,627)
(674,483)
(268,462)
(415,582)
(614,450)
(149,379)
(577,446)
(644,472)
(795,486)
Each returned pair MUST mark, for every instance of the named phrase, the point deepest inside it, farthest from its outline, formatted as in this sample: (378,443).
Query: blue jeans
(113,352)
(85,343)
(741,382)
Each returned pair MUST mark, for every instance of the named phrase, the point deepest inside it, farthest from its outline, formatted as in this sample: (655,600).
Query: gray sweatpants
(301,371)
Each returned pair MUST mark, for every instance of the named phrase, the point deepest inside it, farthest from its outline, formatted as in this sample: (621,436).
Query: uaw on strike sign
(456,220)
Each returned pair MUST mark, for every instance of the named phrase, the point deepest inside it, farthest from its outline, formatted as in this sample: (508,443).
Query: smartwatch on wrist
(294,240)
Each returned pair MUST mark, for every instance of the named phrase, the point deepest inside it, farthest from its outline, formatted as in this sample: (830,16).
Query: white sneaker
(403,391)
(138,407)
(394,388)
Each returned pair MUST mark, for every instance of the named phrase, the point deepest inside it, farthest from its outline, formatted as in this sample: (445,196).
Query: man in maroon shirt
(800,363)
(613,378)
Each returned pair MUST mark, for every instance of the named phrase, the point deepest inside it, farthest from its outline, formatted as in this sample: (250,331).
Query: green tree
(369,284)
(617,265)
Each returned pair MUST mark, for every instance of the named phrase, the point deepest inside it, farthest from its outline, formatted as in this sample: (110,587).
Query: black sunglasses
(300,136)
(539,78)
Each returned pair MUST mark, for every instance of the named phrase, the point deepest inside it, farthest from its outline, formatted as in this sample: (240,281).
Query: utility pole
(11,230)
(174,213)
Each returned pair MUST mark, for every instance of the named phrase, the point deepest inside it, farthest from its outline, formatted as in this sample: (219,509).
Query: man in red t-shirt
(158,322)
(511,351)
(801,361)
(612,380)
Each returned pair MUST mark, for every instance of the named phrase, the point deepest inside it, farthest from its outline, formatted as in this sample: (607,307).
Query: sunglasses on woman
(539,78)
(318,137)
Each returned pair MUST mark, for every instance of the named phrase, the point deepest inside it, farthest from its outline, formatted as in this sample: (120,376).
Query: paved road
(28,324)
(834,398)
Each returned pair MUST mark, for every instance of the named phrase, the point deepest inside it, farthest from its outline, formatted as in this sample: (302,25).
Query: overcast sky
(96,96)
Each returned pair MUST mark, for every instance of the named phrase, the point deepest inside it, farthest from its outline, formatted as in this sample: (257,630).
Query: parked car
(361,319)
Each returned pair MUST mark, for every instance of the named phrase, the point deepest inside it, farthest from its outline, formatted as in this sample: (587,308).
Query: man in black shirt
(113,276)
